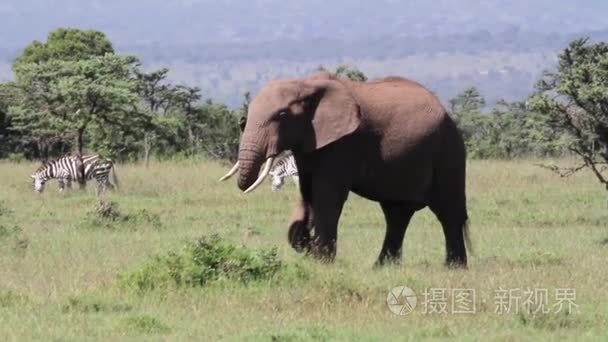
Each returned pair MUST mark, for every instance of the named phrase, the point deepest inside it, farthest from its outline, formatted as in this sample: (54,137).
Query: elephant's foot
(299,236)
(324,251)
(456,255)
(456,263)
(388,258)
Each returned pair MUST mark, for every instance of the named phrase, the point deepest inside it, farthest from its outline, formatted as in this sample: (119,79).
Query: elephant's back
(403,112)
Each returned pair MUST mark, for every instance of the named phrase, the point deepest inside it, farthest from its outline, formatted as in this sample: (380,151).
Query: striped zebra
(285,167)
(76,168)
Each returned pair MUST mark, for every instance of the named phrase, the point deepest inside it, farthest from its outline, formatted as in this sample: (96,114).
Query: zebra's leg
(61,183)
(277,182)
(97,188)
(109,184)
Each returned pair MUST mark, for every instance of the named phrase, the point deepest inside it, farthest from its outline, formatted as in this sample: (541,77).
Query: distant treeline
(378,48)
(73,93)
(513,40)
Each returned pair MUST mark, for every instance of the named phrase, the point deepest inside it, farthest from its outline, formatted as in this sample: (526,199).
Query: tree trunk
(147,148)
(80,140)
(191,139)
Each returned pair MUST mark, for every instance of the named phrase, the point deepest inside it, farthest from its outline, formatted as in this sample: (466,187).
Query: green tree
(469,100)
(158,99)
(73,95)
(575,100)
(66,44)
(185,99)
(219,129)
(519,132)
(346,71)
(350,72)
(475,126)
(6,100)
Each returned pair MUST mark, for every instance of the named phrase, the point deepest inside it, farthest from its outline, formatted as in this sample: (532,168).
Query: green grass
(63,265)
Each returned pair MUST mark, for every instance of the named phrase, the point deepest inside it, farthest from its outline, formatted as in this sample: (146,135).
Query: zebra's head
(41,176)
(38,180)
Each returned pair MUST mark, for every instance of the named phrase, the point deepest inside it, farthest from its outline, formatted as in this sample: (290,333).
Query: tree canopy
(574,98)
(66,44)
(73,92)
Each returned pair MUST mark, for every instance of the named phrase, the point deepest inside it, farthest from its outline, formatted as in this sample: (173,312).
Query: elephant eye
(282,114)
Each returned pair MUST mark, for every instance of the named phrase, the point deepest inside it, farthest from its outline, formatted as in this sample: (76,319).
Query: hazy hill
(230,46)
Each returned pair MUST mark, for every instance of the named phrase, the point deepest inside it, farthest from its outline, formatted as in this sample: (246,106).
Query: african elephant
(390,141)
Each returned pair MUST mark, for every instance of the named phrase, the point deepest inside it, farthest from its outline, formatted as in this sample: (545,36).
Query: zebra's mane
(45,164)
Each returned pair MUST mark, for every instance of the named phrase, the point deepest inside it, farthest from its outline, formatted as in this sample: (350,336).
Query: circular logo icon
(401,300)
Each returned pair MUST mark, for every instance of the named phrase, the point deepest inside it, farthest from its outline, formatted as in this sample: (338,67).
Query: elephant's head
(301,115)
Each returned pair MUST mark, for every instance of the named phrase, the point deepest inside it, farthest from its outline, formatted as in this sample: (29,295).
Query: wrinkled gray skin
(390,141)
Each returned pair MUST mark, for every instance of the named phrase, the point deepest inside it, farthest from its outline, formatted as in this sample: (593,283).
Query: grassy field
(64,272)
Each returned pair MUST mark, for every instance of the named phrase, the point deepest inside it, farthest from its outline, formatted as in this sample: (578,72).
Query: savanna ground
(62,273)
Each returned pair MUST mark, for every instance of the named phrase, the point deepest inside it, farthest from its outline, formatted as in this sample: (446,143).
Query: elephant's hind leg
(454,224)
(397,216)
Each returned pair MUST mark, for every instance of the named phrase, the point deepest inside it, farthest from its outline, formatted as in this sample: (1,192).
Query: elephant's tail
(467,237)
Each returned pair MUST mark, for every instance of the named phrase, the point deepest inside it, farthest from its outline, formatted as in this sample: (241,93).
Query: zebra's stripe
(285,167)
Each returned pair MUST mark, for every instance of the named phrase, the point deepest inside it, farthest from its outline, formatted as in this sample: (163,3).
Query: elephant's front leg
(327,202)
(300,226)
(301,220)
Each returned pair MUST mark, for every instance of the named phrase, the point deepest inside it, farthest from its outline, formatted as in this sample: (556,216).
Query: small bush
(540,259)
(12,237)
(9,231)
(107,215)
(9,298)
(204,260)
(310,333)
(549,321)
(145,324)
(106,211)
(91,305)
(16,157)
(4,210)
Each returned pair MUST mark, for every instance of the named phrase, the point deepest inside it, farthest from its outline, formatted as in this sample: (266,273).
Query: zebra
(76,168)
(285,167)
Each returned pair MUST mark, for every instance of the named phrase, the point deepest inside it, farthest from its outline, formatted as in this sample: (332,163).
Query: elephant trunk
(248,171)
(252,154)
(251,158)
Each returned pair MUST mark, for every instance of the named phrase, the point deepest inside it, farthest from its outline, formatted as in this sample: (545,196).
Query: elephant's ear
(335,111)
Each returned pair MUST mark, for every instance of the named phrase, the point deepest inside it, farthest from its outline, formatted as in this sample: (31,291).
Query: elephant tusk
(231,172)
(262,175)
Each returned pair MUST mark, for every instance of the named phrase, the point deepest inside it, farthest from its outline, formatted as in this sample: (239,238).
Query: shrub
(204,260)
(145,324)
(536,259)
(9,231)
(107,215)
(4,210)
(89,304)
(9,298)
(565,319)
